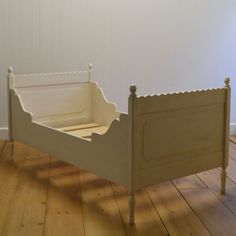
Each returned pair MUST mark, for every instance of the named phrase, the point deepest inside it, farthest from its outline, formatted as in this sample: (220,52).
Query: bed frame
(162,137)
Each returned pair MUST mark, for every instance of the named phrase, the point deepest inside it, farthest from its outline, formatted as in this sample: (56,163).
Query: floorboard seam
(82,208)
(47,194)
(219,193)
(123,223)
(3,148)
(195,213)
(13,197)
(157,212)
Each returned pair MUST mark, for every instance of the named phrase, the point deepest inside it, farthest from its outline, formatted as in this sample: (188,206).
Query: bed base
(162,137)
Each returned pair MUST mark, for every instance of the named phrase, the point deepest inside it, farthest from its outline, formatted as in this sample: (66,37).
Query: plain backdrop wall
(159,45)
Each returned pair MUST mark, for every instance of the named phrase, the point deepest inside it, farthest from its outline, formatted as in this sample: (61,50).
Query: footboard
(175,135)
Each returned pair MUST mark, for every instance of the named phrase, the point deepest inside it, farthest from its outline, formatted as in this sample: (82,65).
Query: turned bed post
(10,138)
(226,135)
(132,151)
(90,78)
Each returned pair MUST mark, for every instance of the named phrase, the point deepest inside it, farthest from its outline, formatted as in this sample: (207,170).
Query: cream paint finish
(161,138)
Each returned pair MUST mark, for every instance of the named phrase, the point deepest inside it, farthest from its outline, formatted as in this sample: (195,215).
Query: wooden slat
(176,214)
(64,209)
(147,221)
(101,213)
(213,214)
(88,132)
(77,127)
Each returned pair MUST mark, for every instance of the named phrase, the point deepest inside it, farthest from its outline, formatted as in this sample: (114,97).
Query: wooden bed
(161,138)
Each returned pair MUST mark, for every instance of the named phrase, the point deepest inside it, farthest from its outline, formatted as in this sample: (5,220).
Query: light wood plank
(147,221)
(25,215)
(64,203)
(101,213)
(232,162)
(3,145)
(231,170)
(212,179)
(189,182)
(233,139)
(57,171)
(232,150)
(176,214)
(213,214)
(212,208)
(77,127)
(88,131)
(9,178)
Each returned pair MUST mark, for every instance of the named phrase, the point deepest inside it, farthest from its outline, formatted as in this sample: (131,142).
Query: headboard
(54,97)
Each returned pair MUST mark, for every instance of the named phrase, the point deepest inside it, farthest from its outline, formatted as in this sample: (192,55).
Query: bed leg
(131,209)
(223,180)
(10,149)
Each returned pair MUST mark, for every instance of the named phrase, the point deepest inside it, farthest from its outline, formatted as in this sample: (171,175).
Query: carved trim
(51,73)
(179,93)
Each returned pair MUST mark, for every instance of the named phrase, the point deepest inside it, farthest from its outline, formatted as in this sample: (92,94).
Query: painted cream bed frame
(161,138)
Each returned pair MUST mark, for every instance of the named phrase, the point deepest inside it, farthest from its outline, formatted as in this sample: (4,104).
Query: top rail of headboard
(179,100)
(48,79)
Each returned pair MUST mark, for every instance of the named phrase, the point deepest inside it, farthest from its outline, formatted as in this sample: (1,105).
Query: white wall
(159,45)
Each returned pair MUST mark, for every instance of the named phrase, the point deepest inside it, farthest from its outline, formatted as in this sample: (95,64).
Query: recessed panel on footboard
(181,141)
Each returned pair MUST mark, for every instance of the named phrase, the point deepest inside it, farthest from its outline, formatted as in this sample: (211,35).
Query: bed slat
(88,132)
(78,127)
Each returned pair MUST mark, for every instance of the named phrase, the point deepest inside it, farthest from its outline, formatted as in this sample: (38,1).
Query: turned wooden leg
(131,209)
(10,149)
(223,180)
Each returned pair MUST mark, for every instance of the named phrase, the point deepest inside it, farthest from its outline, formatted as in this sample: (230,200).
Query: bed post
(132,151)
(226,135)
(10,138)
(90,78)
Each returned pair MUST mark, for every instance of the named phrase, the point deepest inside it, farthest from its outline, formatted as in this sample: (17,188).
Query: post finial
(90,66)
(227,82)
(132,89)
(10,70)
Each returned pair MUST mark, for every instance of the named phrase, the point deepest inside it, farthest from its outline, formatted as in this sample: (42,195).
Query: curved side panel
(103,112)
(106,155)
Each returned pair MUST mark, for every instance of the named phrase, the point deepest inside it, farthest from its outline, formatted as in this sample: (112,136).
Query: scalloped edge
(51,73)
(180,93)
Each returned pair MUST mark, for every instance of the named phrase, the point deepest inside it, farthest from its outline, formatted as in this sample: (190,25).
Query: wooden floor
(40,195)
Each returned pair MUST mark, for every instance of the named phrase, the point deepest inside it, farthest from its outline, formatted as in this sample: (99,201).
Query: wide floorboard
(43,196)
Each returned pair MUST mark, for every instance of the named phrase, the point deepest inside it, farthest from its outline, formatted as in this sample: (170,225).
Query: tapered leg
(10,149)
(131,209)
(223,180)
